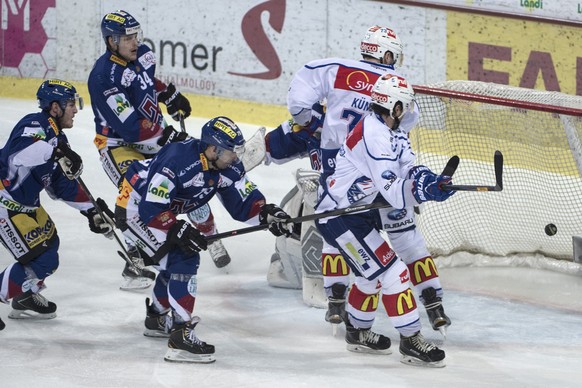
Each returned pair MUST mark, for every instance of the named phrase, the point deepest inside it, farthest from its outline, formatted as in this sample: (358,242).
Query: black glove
(170,135)
(187,238)
(69,161)
(97,223)
(177,104)
(273,215)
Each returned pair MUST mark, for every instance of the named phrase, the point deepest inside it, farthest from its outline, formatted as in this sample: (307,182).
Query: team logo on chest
(159,189)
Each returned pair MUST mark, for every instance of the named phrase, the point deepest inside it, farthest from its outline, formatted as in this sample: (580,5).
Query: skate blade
(176,355)
(356,348)
(334,329)
(443,331)
(155,334)
(28,314)
(135,283)
(409,360)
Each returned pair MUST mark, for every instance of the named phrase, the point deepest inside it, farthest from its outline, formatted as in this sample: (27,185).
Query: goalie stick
(498,164)
(124,255)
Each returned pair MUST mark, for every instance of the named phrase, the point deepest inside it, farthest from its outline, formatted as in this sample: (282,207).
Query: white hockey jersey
(345,86)
(373,160)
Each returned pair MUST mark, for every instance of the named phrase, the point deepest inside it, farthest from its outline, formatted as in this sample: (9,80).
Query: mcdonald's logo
(334,265)
(424,269)
(366,303)
(405,302)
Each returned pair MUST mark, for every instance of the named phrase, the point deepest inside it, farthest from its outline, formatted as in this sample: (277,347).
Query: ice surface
(511,327)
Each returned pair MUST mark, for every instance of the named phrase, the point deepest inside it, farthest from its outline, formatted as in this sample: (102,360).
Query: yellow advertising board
(514,52)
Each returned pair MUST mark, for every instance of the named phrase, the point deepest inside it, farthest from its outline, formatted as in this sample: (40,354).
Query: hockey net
(539,134)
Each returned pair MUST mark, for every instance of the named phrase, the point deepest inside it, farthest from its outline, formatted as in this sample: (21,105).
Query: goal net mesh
(539,134)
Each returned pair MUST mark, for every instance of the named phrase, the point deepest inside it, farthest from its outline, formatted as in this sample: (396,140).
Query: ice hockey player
(129,122)
(37,157)
(345,85)
(376,161)
(184,176)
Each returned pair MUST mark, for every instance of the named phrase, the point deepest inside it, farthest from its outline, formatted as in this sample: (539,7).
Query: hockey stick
(498,164)
(297,220)
(451,166)
(182,124)
(124,255)
(449,170)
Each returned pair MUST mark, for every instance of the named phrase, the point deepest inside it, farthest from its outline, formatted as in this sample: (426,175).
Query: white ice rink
(514,328)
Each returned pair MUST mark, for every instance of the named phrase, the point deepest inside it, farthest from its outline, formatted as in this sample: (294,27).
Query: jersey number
(352,117)
(145,80)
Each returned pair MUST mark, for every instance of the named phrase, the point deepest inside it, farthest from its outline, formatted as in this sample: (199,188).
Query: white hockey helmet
(378,40)
(391,89)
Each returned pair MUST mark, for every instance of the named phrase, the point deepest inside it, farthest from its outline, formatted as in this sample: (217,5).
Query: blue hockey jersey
(125,103)
(179,180)
(26,167)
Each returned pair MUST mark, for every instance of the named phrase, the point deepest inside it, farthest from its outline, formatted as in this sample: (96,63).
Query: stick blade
(451,166)
(498,163)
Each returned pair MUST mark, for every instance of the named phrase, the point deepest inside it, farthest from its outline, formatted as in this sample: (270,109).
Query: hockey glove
(170,135)
(427,186)
(311,132)
(176,103)
(187,238)
(273,215)
(100,224)
(69,161)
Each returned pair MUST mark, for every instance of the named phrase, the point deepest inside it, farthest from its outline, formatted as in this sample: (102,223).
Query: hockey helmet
(120,23)
(223,133)
(378,40)
(391,89)
(57,90)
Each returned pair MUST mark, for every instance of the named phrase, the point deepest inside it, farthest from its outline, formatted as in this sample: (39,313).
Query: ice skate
(435,311)
(184,346)
(136,277)
(417,351)
(336,307)
(366,341)
(32,306)
(2,324)
(156,324)
(219,254)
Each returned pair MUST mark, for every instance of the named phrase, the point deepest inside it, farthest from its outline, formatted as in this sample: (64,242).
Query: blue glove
(428,186)
(311,131)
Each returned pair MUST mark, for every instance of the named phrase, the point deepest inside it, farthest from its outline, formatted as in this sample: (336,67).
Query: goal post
(539,134)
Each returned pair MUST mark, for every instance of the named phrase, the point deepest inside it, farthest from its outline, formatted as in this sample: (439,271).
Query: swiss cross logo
(28,37)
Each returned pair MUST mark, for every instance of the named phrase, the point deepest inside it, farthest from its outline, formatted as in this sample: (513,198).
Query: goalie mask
(120,23)
(55,90)
(378,40)
(390,90)
(223,133)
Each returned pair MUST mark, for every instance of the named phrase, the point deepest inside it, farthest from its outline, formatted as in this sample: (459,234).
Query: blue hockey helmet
(57,90)
(120,23)
(224,134)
